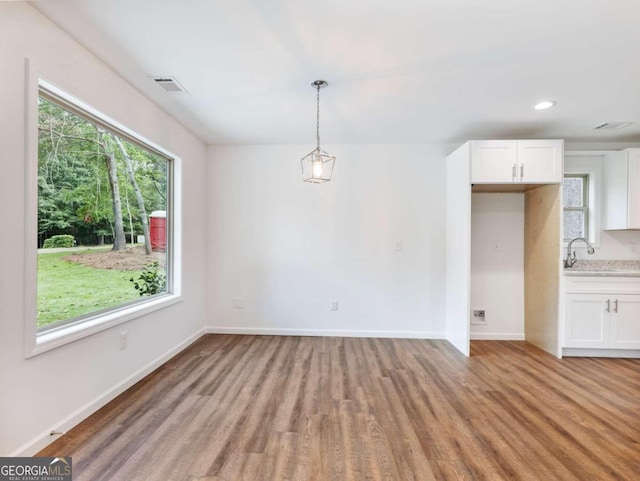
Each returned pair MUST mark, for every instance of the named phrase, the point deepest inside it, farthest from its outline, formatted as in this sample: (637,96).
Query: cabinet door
(586,321)
(625,323)
(494,161)
(540,161)
(633,189)
(616,189)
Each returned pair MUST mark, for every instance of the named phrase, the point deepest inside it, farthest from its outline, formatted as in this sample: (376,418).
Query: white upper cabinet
(622,190)
(494,161)
(517,161)
(540,161)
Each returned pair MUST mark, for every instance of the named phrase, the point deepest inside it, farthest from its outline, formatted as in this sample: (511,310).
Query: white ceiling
(400,71)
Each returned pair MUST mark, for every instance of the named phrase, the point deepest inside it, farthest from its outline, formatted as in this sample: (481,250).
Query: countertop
(604,268)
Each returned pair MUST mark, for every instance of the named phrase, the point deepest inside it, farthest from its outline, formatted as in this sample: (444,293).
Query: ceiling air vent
(170,84)
(612,125)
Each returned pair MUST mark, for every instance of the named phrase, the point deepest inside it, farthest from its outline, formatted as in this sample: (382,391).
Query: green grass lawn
(67,289)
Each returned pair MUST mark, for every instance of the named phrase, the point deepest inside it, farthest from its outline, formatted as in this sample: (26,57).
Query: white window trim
(35,343)
(585,208)
(594,170)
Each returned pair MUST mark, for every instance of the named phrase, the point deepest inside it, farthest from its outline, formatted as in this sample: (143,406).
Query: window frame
(36,342)
(585,204)
(588,162)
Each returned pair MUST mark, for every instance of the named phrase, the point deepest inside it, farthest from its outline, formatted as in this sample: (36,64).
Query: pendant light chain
(318,116)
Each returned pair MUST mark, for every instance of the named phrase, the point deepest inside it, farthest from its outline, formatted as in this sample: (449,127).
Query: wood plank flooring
(261,408)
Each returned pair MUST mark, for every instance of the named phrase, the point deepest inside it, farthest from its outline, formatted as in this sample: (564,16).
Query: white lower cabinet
(625,327)
(605,320)
(587,321)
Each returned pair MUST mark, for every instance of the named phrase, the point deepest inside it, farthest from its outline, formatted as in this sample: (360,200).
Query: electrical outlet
(124,339)
(479,317)
(334,305)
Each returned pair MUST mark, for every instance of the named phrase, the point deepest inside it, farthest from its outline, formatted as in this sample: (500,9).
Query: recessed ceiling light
(545,104)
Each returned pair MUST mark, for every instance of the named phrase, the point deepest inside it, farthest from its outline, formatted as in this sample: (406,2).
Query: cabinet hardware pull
(513,172)
(615,305)
(521,171)
(608,308)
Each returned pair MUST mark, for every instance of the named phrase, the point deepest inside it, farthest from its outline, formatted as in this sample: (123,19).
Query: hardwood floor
(301,408)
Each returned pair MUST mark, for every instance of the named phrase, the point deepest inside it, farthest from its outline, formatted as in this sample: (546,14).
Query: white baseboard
(588,352)
(262,331)
(497,336)
(39,442)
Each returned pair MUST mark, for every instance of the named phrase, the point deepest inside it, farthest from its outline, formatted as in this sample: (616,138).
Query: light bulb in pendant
(317,169)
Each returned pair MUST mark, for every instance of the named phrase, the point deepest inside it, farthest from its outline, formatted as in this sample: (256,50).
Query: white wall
(497,264)
(614,245)
(608,244)
(372,238)
(59,387)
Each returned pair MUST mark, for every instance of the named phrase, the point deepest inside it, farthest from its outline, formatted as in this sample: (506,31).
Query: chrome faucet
(569,261)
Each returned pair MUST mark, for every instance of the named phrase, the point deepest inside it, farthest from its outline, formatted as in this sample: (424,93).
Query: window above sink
(582,196)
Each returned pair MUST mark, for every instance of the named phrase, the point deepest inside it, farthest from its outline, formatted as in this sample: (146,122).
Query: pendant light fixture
(317,166)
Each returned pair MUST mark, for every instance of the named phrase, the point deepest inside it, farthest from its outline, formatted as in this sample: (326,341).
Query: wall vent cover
(612,125)
(170,84)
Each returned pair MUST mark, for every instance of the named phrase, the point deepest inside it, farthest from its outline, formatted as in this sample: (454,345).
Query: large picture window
(105,223)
